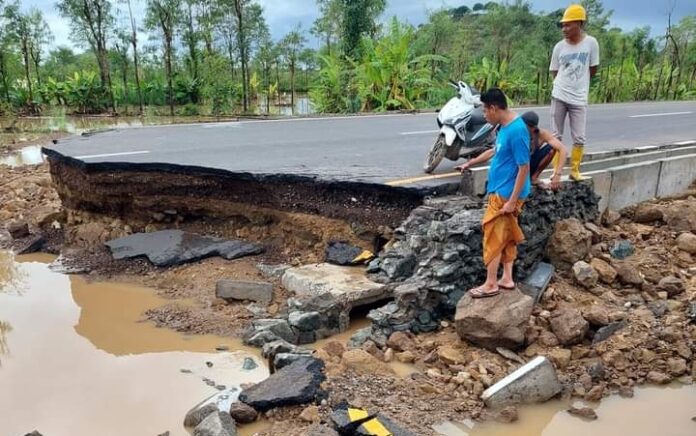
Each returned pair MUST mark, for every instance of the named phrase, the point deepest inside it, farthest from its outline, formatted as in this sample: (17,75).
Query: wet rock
(687,242)
(175,247)
(606,272)
(401,341)
(583,412)
(569,243)
(628,274)
(342,253)
(28,245)
(658,378)
(597,315)
(271,349)
(260,292)
(584,274)
(259,338)
(568,325)
(362,361)
(508,415)
(295,384)
(249,364)
(243,413)
(499,321)
(535,381)
(359,337)
(216,424)
(18,229)
(310,414)
(282,360)
(621,249)
(305,321)
(278,327)
(196,415)
(595,394)
(672,285)
(647,213)
(676,367)
(606,332)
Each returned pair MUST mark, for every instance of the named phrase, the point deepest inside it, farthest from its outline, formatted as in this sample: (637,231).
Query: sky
(283,15)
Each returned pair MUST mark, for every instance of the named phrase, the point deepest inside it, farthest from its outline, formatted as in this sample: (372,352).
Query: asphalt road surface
(373,148)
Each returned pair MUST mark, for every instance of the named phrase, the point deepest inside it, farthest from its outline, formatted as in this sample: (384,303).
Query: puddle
(30,155)
(653,411)
(75,359)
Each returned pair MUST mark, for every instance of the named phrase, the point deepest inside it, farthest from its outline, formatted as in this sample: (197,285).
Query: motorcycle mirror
(454,84)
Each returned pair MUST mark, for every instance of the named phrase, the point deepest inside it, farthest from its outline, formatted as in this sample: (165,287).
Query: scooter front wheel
(435,155)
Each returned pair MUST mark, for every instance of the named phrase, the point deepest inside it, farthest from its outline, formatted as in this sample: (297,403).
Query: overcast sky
(283,15)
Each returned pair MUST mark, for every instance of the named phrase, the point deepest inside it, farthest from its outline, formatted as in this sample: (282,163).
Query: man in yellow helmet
(574,61)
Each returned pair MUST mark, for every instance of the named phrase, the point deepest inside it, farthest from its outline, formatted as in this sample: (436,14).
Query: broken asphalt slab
(175,247)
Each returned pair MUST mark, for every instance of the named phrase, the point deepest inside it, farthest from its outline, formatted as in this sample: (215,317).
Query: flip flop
(508,288)
(480,293)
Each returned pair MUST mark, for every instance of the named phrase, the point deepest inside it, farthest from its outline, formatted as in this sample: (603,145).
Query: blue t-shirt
(511,151)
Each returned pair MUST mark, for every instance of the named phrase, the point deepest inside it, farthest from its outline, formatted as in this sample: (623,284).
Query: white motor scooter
(464,131)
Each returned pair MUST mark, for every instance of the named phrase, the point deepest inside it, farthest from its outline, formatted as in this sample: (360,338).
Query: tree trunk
(659,79)
(25,56)
(37,62)
(168,67)
(124,78)
(134,42)
(693,76)
(3,71)
(292,88)
(191,42)
(241,37)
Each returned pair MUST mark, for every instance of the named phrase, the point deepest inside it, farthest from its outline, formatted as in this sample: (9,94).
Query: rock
(508,415)
(606,332)
(359,337)
(597,315)
(279,327)
(249,364)
(295,384)
(310,414)
(687,242)
(628,274)
(676,366)
(34,433)
(259,338)
(499,321)
(658,378)
(569,326)
(272,271)
(216,424)
(583,412)
(389,355)
(28,245)
(584,274)
(569,243)
(260,292)
(400,341)
(196,415)
(342,253)
(535,381)
(282,360)
(595,394)
(672,285)
(647,213)
(510,355)
(621,249)
(334,348)
(606,272)
(560,357)
(537,281)
(243,413)
(18,230)
(406,357)
(596,371)
(175,247)
(320,430)
(610,217)
(305,321)
(271,349)
(450,355)
(361,361)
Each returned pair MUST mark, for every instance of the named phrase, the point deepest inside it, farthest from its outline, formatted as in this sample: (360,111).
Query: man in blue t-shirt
(508,186)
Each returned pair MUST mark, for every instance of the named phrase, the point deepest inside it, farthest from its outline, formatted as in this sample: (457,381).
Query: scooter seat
(477,119)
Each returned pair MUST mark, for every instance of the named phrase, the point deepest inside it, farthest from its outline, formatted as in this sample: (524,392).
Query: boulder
(687,242)
(216,424)
(621,249)
(261,292)
(295,384)
(606,272)
(279,328)
(672,285)
(499,321)
(342,253)
(360,360)
(597,315)
(196,415)
(18,229)
(568,325)
(647,213)
(536,381)
(243,413)
(400,341)
(584,274)
(175,247)
(628,274)
(305,321)
(569,243)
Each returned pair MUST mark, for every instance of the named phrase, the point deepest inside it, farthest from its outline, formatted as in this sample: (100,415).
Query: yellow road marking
(408,181)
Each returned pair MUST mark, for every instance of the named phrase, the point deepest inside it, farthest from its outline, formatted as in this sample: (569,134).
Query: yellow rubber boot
(575,160)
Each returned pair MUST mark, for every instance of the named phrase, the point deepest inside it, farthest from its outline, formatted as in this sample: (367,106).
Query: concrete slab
(348,284)
(676,175)
(533,382)
(632,184)
(537,281)
(601,181)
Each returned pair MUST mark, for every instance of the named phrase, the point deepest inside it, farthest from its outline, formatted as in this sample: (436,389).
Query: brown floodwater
(77,359)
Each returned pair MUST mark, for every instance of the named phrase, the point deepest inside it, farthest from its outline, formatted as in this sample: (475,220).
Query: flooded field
(75,359)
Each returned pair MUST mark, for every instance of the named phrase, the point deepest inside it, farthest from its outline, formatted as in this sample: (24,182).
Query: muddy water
(30,155)
(76,360)
(653,411)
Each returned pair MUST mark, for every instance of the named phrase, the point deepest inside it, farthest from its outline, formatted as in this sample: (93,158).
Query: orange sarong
(501,232)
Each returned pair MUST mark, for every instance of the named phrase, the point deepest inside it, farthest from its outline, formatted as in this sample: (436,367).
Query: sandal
(508,288)
(480,293)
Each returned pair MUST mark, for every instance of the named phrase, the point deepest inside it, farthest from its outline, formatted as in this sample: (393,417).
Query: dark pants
(540,159)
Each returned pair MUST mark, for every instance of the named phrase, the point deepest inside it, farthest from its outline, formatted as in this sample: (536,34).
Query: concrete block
(260,292)
(601,182)
(676,175)
(681,151)
(533,382)
(474,181)
(537,281)
(632,184)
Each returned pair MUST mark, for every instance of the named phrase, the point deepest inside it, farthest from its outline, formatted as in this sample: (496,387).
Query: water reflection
(5,328)
(11,277)
(30,155)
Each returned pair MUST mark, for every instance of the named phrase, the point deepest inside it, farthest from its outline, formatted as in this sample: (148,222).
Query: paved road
(378,149)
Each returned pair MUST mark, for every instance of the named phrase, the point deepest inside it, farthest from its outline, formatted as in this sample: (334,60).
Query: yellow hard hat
(574,13)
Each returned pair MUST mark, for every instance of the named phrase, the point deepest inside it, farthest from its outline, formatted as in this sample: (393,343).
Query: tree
(267,55)
(292,45)
(134,44)
(359,19)
(41,36)
(191,39)
(121,45)
(4,48)
(92,22)
(165,15)
(328,25)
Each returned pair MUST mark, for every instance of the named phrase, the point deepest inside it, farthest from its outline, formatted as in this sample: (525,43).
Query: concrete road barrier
(676,175)
(631,184)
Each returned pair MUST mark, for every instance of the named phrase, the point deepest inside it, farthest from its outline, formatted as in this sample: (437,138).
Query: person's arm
(554,67)
(483,157)
(520,180)
(594,57)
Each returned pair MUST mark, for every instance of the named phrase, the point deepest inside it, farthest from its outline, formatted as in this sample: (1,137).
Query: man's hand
(463,167)
(556,182)
(509,207)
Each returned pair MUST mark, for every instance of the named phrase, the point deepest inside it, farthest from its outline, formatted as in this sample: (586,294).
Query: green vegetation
(217,57)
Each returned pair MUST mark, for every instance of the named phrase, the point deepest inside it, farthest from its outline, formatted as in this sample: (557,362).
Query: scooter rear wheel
(435,155)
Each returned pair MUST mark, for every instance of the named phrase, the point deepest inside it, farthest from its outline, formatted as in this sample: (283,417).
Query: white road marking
(420,132)
(685,143)
(660,115)
(126,153)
